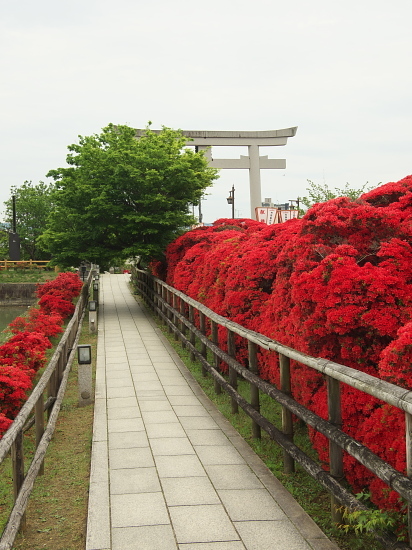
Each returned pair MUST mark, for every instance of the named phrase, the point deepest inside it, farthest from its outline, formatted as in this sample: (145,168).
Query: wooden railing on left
(51,385)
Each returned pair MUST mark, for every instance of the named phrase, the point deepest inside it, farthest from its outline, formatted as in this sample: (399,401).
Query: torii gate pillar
(205,140)
(253,162)
(255,188)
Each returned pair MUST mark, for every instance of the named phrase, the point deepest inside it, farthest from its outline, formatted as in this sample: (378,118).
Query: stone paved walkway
(168,470)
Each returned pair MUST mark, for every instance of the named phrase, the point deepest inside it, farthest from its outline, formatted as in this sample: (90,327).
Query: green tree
(33,206)
(322,193)
(4,243)
(123,197)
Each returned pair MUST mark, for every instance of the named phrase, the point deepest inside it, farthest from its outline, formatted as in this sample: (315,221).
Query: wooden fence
(53,383)
(179,311)
(23,264)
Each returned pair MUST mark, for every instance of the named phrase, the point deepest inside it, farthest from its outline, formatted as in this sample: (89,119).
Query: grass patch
(26,275)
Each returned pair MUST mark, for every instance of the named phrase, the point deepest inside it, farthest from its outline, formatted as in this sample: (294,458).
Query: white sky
(340,71)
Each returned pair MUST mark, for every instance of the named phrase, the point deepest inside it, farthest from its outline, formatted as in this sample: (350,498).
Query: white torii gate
(205,140)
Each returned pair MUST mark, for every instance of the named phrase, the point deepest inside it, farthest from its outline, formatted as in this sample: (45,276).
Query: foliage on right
(337,284)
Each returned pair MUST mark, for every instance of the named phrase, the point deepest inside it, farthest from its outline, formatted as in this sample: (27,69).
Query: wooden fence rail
(23,264)
(178,311)
(53,381)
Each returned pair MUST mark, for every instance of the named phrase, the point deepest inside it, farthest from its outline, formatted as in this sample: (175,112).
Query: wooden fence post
(254,391)
(183,329)
(287,420)
(203,349)
(231,349)
(215,340)
(18,471)
(152,296)
(169,313)
(61,364)
(192,334)
(163,296)
(335,452)
(39,422)
(51,390)
(174,316)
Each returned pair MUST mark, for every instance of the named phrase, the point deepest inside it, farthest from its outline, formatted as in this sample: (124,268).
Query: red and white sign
(261,214)
(270,216)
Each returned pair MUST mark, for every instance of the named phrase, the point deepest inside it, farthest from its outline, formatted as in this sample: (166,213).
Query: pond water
(7,315)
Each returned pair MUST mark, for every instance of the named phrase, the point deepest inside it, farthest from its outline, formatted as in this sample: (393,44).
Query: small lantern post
(231,200)
(84,375)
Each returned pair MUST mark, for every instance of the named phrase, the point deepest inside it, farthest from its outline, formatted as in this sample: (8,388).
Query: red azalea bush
(38,321)
(335,284)
(14,383)
(65,284)
(50,303)
(25,352)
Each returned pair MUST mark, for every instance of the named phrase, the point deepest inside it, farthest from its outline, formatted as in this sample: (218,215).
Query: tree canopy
(122,197)
(33,206)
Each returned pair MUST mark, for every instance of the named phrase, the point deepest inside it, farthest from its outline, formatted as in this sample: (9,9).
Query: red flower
(24,353)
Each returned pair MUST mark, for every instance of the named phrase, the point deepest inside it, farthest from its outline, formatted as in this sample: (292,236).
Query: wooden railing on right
(193,322)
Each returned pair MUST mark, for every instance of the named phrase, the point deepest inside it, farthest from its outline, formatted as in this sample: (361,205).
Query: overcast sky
(340,71)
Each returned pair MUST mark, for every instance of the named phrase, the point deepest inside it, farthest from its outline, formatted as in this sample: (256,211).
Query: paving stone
(191,410)
(120,381)
(134,457)
(159,417)
(267,535)
(99,462)
(170,378)
(127,440)
(250,504)
(171,446)
(149,385)
(218,454)
(184,466)
(163,405)
(177,390)
(185,400)
(135,480)
(165,430)
(207,437)
(233,476)
(144,538)
(198,423)
(188,491)
(134,510)
(98,520)
(122,392)
(125,425)
(203,523)
(149,376)
(124,412)
(121,402)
